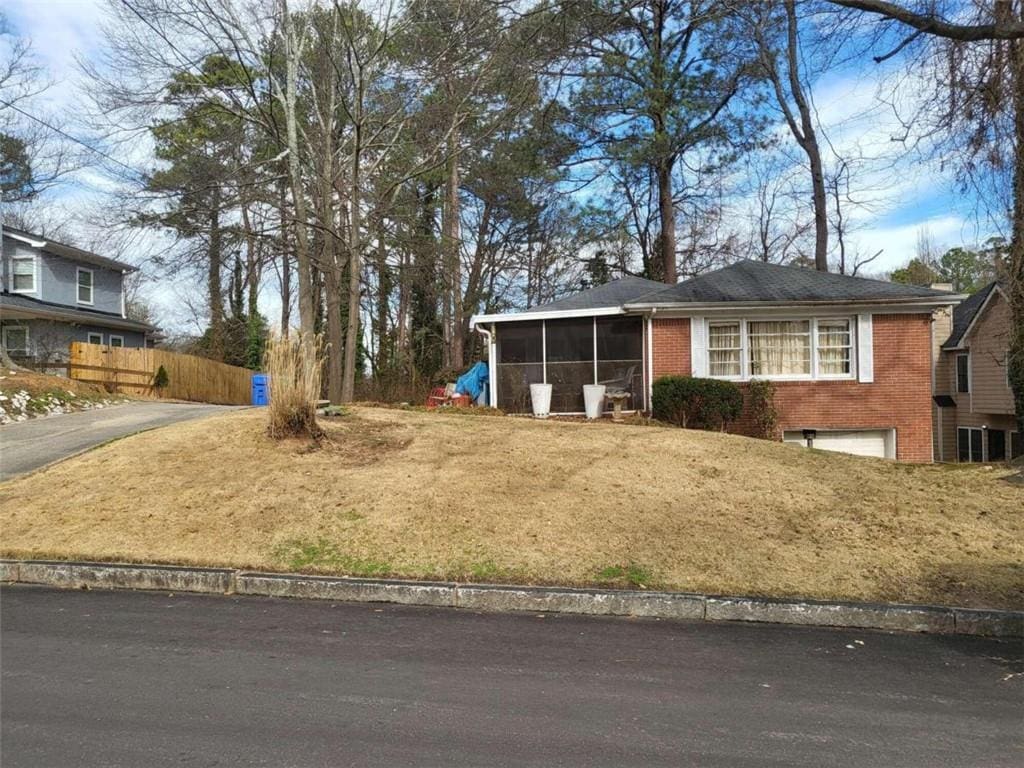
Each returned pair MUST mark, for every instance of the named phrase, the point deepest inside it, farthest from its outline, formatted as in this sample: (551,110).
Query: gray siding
(49,339)
(57,279)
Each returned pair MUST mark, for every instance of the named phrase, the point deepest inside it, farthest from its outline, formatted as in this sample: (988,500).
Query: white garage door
(869,442)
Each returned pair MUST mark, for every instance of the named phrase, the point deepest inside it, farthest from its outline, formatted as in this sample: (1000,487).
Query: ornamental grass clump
(295,366)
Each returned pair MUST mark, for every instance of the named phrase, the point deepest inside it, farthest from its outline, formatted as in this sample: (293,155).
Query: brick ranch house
(851,358)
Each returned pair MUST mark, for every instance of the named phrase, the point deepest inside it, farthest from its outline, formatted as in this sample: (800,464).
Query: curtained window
(834,347)
(724,349)
(779,347)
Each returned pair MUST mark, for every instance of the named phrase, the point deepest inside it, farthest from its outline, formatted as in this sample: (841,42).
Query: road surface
(124,679)
(28,445)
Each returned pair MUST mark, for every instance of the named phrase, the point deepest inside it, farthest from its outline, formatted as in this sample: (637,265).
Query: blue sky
(911,195)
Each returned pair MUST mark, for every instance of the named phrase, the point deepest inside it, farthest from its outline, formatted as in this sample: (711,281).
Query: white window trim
(971,459)
(814,375)
(92,286)
(90,335)
(35,273)
(28,338)
(111,337)
(956,373)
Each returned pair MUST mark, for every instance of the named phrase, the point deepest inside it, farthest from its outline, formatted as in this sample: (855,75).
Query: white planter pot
(540,395)
(593,400)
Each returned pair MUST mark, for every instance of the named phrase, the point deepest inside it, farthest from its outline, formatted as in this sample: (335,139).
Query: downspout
(492,379)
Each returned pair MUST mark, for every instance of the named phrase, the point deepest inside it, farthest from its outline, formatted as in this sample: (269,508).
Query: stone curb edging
(493,597)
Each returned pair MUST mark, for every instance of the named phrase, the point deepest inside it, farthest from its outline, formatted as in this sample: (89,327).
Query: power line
(76,140)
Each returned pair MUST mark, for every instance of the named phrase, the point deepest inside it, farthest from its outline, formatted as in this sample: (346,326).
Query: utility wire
(76,140)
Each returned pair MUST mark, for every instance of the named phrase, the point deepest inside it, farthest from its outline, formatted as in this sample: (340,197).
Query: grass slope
(501,499)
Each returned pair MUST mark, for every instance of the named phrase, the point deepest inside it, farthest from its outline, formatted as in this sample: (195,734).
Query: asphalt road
(28,445)
(128,679)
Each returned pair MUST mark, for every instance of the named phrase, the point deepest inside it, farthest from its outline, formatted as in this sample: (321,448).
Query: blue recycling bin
(260,389)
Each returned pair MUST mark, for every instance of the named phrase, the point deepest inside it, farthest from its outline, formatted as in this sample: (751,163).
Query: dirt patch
(443,496)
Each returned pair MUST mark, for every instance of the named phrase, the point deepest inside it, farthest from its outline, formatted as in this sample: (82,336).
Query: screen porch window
(724,349)
(569,353)
(779,347)
(834,347)
(23,275)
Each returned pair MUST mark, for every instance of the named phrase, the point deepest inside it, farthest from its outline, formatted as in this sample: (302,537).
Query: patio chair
(621,383)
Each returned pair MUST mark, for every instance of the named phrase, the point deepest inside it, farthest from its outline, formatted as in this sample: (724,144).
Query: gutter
(937,301)
(492,379)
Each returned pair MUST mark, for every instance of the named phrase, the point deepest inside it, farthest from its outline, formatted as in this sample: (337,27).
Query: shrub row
(696,403)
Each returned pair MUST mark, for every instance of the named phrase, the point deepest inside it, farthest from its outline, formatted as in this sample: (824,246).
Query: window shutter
(865,350)
(698,346)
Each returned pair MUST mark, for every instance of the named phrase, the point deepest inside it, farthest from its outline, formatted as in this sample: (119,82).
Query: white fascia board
(800,307)
(26,240)
(512,317)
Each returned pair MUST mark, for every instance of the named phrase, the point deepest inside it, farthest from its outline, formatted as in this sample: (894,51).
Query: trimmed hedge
(696,403)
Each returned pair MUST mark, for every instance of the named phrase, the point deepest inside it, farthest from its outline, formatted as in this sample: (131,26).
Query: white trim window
(781,348)
(16,340)
(23,274)
(835,348)
(116,341)
(94,338)
(84,287)
(725,350)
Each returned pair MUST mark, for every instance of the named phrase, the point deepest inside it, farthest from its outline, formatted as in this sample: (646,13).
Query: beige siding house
(975,418)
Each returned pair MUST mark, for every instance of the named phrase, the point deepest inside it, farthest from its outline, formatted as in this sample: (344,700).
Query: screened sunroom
(568,353)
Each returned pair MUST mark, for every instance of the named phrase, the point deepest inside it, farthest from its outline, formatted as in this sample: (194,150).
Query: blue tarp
(474,381)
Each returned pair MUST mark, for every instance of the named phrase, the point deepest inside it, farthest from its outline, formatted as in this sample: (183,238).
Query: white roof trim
(27,240)
(553,314)
(699,307)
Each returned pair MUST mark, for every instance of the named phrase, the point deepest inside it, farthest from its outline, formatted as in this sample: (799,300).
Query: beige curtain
(724,350)
(779,348)
(834,347)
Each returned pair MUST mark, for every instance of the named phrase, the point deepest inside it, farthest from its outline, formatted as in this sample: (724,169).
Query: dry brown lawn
(425,495)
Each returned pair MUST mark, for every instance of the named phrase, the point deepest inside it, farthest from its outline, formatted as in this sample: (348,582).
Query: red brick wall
(899,397)
(671,341)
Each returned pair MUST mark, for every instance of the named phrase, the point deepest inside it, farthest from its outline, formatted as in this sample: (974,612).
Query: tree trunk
(213,281)
(304,266)
(384,351)
(334,279)
(1015,277)
(666,212)
(354,251)
(286,262)
(453,253)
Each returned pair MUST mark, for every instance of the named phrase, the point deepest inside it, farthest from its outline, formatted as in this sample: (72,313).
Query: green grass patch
(631,574)
(302,554)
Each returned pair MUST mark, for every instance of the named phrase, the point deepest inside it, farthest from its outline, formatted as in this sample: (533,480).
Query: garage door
(870,442)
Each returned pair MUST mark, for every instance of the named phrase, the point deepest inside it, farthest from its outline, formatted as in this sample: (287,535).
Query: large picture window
(781,348)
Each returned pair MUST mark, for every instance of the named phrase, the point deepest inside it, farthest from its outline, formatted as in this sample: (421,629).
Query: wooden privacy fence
(131,372)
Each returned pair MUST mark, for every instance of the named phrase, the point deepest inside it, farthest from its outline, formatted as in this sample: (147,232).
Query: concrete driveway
(28,445)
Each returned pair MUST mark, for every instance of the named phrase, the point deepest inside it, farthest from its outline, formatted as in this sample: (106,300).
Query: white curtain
(724,350)
(833,347)
(779,348)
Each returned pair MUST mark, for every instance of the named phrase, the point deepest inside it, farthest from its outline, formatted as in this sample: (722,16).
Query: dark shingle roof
(964,314)
(756,281)
(613,294)
(71,314)
(69,251)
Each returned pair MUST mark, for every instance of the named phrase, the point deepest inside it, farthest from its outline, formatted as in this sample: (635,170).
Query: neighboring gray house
(52,294)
